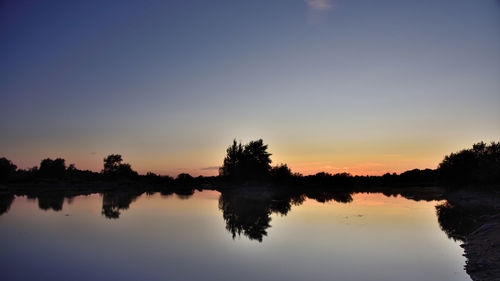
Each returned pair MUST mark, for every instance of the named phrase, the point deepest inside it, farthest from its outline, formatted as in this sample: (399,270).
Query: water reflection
(184,192)
(50,201)
(245,215)
(460,218)
(247,211)
(455,221)
(164,233)
(115,201)
(323,196)
(5,202)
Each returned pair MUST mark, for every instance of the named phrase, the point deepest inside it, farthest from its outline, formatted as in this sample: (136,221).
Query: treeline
(251,163)
(479,165)
(56,171)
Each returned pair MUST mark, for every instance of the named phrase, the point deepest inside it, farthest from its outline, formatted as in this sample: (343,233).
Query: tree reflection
(248,211)
(165,193)
(51,201)
(183,192)
(459,219)
(115,201)
(5,202)
(245,215)
(324,196)
(454,221)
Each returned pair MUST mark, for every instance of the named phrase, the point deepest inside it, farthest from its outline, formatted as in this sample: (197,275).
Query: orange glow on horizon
(358,159)
(303,168)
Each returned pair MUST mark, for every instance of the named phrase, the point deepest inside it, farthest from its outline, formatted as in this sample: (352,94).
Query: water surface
(212,236)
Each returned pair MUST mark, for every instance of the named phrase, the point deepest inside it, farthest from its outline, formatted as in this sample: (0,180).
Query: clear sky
(365,87)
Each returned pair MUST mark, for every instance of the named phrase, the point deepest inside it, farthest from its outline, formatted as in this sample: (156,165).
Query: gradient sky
(365,87)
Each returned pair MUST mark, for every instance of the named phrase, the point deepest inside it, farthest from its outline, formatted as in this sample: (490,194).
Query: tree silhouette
(233,163)
(249,162)
(7,169)
(280,173)
(115,169)
(480,164)
(112,163)
(256,159)
(52,168)
(184,178)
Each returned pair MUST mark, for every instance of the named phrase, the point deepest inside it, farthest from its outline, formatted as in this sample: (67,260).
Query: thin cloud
(319,5)
(318,10)
(210,168)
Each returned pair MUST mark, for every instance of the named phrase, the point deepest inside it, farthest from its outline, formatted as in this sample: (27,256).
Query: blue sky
(358,86)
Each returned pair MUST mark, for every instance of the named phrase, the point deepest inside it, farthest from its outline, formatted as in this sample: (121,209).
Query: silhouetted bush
(184,178)
(281,174)
(52,168)
(418,176)
(27,175)
(7,169)
(76,175)
(156,179)
(481,164)
(339,179)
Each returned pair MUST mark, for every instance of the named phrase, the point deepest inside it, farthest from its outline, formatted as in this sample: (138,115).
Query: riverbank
(482,250)
(482,245)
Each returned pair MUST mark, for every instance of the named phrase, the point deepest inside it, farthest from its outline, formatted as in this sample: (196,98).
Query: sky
(365,87)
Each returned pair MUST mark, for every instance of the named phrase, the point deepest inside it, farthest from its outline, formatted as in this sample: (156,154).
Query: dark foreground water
(207,236)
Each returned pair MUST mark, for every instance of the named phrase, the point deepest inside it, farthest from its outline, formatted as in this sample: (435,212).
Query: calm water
(206,236)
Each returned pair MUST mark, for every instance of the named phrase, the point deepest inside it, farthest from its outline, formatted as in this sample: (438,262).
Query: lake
(206,235)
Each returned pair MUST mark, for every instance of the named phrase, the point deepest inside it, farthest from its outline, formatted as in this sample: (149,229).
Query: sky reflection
(374,237)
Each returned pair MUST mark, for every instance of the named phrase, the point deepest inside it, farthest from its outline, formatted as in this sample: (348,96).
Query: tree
(257,159)
(184,178)
(233,163)
(7,169)
(52,168)
(280,173)
(113,168)
(112,164)
(480,164)
(248,162)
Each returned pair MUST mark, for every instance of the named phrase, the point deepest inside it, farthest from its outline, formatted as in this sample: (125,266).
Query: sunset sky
(365,87)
